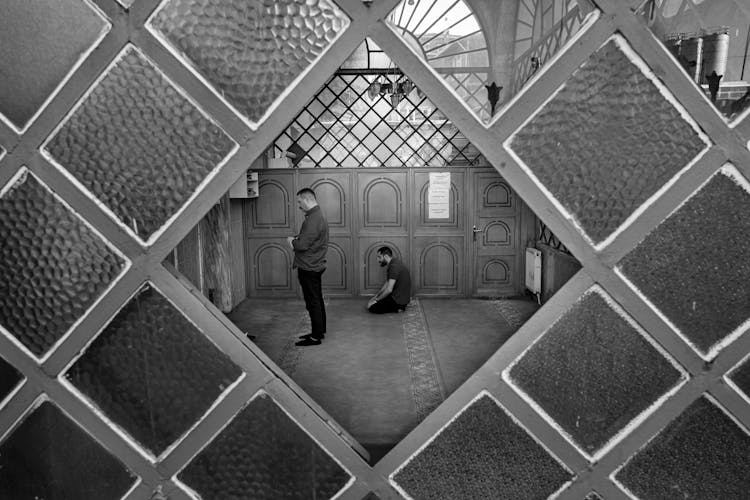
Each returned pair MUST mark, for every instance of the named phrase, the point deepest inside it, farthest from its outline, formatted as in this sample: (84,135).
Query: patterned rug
(426,384)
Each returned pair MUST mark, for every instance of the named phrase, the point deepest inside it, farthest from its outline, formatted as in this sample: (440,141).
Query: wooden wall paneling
(270,219)
(333,190)
(383,219)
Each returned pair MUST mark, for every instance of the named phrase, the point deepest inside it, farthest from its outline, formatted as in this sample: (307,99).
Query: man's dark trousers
(312,289)
(386,305)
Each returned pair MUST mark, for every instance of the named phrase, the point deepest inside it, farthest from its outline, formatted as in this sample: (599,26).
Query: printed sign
(438,195)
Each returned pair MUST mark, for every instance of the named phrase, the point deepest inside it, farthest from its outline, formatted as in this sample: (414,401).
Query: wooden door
(495,237)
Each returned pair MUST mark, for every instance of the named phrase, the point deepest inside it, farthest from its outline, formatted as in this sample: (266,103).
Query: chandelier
(395,92)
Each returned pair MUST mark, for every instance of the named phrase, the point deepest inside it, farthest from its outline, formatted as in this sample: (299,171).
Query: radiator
(534,270)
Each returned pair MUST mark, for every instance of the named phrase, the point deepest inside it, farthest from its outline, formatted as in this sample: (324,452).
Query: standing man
(395,293)
(310,247)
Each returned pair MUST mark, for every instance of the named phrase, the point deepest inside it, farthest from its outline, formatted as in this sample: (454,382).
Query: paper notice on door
(438,195)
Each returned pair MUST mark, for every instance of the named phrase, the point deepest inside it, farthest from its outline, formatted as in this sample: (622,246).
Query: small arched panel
(439,268)
(331,196)
(272,266)
(335,276)
(382,203)
(497,233)
(454,200)
(497,195)
(496,272)
(271,205)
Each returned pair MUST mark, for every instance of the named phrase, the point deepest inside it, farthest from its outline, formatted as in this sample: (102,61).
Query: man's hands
(371,301)
(290,239)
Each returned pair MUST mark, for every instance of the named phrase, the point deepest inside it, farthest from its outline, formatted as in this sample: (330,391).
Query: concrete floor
(378,376)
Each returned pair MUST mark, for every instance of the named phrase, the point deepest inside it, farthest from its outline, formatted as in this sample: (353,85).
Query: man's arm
(308,234)
(384,292)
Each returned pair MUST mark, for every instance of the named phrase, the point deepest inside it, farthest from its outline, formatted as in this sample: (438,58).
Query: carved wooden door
(495,237)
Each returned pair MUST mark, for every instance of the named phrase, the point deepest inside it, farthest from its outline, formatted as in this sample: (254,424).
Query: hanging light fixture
(374,89)
(394,92)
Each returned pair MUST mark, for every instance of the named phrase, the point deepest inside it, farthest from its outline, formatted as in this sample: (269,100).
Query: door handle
(475,231)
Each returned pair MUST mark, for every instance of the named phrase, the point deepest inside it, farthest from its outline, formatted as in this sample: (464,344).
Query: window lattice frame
(41,377)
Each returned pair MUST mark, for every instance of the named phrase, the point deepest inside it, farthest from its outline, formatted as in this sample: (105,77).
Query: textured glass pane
(152,372)
(52,266)
(139,145)
(250,51)
(43,41)
(702,454)
(263,454)
(741,377)
(9,378)
(482,454)
(606,142)
(592,372)
(423,136)
(49,457)
(695,266)
(709,40)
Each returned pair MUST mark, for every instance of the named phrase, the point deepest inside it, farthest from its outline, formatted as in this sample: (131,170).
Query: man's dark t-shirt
(402,289)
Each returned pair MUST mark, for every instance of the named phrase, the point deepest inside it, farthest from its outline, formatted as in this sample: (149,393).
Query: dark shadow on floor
(378,376)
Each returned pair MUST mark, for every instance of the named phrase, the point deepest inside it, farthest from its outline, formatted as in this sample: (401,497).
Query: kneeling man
(395,293)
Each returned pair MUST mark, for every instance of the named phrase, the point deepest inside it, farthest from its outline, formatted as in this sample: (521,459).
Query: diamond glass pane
(606,142)
(53,267)
(9,378)
(362,128)
(250,52)
(152,372)
(263,454)
(701,454)
(139,145)
(593,496)
(48,456)
(592,372)
(695,266)
(741,377)
(42,42)
(483,453)
(709,41)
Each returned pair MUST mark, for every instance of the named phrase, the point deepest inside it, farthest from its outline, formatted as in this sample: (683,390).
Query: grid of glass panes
(469,84)
(344,127)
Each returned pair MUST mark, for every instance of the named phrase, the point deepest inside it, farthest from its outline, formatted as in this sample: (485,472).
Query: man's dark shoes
(309,341)
(311,336)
